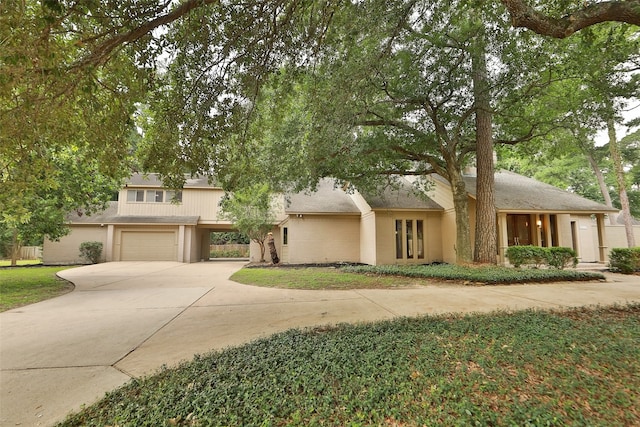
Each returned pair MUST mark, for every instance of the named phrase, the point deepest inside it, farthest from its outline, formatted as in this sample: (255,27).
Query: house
(399,226)
(148,222)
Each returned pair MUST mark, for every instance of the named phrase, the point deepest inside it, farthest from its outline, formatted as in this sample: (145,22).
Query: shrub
(560,258)
(625,260)
(522,255)
(91,251)
(557,257)
(228,253)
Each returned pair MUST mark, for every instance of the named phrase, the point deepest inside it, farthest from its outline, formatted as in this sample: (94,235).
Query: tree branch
(524,15)
(101,53)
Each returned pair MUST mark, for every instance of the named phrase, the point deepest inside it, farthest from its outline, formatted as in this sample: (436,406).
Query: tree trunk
(272,249)
(603,186)
(622,186)
(461,207)
(486,233)
(262,248)
(15,248)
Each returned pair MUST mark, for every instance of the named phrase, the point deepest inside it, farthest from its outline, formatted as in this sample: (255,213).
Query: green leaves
(525,368)
(251,210)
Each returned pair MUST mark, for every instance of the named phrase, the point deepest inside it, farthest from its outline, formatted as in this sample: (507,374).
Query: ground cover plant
(368,276)
(483,274)
(21,286)
(529,368)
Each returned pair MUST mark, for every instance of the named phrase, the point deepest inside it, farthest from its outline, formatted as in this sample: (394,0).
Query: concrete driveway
(127,319)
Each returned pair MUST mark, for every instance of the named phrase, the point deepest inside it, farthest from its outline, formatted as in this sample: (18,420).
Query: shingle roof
(331,200)
(403,197)
(110,216)
(326,200)
(517,192)
(153,180)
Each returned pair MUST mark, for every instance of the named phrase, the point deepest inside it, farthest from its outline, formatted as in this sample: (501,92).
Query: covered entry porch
(549,229)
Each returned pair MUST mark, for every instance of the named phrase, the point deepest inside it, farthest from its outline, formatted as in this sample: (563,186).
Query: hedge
(625,260)
(557,257)
(91,251)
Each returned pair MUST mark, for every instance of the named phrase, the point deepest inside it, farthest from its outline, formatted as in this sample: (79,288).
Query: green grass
(21,286)
(21,262)
(317,278)
(530,368)
(361,277)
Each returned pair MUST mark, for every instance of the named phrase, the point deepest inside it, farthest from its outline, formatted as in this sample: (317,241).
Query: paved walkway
(130,318)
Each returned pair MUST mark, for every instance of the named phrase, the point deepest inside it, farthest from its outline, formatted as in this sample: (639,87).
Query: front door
(519,230)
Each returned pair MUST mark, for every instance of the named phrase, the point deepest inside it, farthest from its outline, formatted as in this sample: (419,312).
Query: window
(285,236)
(398,238)
(154,196)
(409,234)
(173,196)
(135,196)
(420,241)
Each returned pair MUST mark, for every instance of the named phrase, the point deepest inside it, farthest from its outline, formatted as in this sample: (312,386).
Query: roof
(403,197)
(515,192)
(110,216)
(153,180)
(327,199)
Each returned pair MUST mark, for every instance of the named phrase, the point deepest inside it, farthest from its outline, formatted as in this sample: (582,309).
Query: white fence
(30,252)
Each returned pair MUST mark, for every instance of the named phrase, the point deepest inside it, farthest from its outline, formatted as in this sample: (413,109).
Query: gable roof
(331,200)
(153,180)
(403,197)
(514,192)
(325,200)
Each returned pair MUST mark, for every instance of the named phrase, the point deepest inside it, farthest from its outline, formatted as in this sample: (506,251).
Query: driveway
(128,319)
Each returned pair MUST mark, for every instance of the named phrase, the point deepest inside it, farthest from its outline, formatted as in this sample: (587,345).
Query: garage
(148,246)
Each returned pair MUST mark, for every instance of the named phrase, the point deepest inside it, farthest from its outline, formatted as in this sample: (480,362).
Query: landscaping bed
(533,368)
(358,276)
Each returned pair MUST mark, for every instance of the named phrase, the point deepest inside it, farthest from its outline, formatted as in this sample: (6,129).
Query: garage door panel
(148,246)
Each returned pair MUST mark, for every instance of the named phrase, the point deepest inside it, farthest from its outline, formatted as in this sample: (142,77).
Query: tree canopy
(356,89)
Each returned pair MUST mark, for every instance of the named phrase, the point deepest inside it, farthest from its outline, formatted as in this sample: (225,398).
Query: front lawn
(367,276)
(21,286)
(530,368)
(317,278)
(21,262)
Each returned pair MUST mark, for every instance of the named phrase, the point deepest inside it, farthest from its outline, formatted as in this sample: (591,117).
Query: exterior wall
(563,222)
(616,236)
(254,248)
(448,232)
(195,202)
(323,239)
(284,249)
(67,250)
(385,236)
(441,193)
(368,239)
(202,245)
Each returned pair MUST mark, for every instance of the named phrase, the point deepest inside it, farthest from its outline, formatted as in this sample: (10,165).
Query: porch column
(536,225)
(109,249)
(602,247)
(547,230)
(503,238)
(181,247)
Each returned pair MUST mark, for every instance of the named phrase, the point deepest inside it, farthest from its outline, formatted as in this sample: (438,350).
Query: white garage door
(148,246)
